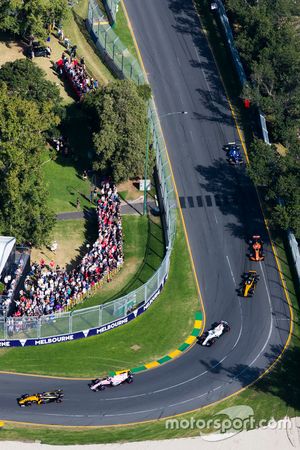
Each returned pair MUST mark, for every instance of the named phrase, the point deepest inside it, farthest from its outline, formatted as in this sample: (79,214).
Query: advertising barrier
(27,342)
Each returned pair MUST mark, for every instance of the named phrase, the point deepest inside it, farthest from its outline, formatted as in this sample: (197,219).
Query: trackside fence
(95,320)
(292,241)
(117,56)
(111,7)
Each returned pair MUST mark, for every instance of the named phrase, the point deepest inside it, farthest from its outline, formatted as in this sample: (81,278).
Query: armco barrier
(230,42)
(86,322)
(292,241)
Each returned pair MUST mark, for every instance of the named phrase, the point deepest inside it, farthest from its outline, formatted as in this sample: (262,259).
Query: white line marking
(216,388)
(205,79)
(230,270)
(131,413)
(241,329)
(64,415)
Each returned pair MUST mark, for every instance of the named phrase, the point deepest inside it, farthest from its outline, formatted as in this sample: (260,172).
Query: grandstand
(14,265)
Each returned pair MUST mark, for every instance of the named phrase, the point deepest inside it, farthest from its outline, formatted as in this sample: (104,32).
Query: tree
(280,177)
(269,43)
(119,121)
(27,80)
(24,210)
(144,91)
(264,166)
(31,17)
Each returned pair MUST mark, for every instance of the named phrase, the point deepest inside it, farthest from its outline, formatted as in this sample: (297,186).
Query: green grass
(64,184)
(75,29)
(161,329)
(123,32)
(143,250)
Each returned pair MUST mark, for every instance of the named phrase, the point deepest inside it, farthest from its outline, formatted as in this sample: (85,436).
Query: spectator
(73,51)
(48,289)
(75,71)
(53,247)
(67,42)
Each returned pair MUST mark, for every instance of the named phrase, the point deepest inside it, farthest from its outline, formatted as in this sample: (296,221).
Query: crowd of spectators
(49,289)
(75,71)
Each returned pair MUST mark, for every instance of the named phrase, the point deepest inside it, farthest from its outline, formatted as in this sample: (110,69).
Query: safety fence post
(100,316)
(71,322)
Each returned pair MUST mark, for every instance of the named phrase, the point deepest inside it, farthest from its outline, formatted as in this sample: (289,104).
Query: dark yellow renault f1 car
(41,398)
(249,282)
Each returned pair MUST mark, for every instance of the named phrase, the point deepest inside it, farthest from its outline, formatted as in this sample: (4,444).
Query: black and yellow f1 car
(249,282)
(41,398)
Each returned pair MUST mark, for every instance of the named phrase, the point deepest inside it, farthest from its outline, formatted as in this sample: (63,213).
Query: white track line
(230,270)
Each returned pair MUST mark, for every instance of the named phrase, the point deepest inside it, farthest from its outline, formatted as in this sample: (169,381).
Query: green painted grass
(161,329)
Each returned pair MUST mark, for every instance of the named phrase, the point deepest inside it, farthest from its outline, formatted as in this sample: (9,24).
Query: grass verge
(122,31)
(173,311)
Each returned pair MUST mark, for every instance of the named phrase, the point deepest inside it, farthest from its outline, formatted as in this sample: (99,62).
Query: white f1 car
(209,337)
(100,383)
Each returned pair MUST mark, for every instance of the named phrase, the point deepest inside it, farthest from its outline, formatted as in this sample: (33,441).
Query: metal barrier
(111,7)
(101,318)
(110,46)
(230,41)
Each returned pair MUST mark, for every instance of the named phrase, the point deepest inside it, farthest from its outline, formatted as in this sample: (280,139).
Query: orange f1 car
(256,249)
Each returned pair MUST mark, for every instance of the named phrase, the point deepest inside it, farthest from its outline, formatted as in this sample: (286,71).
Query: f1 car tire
(101,388)
(129,380)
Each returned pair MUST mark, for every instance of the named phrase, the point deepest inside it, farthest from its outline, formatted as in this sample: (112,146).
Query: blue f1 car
(234,155)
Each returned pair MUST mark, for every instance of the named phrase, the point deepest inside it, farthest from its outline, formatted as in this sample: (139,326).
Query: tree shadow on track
(234,196)
(282,381)
(213,98)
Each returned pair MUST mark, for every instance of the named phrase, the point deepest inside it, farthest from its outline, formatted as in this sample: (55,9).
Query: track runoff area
(220,210)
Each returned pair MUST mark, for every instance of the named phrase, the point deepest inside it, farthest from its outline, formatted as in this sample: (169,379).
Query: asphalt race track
(221,211)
